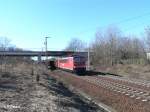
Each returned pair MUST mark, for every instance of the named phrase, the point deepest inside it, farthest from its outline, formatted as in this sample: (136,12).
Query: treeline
(111,47)
(5,45)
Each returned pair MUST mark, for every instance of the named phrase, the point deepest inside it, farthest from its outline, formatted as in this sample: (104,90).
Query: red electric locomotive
(74,63)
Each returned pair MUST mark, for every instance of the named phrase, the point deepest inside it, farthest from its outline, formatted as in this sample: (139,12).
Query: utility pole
(88,63)
(88,58)
(4,55)
(46,47)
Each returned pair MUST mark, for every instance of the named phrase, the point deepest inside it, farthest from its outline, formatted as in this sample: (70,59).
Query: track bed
(121,94)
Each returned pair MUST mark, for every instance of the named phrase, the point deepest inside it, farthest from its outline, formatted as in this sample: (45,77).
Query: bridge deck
(39,53)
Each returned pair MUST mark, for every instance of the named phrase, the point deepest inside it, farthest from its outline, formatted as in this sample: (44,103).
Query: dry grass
(19,91)
(131,71)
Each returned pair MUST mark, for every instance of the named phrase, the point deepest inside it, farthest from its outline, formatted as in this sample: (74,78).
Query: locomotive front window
(79,59)
(76,59)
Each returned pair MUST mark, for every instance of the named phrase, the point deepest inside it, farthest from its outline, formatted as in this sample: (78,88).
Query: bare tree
(76,45)
(105,46)
(111,47)
(4,43)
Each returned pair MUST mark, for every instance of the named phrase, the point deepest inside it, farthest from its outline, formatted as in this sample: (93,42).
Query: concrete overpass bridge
(39,54)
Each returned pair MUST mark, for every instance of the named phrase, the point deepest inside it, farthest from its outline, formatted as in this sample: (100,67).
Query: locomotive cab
(79,64)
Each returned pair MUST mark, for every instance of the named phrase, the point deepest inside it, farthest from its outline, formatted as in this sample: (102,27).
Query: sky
(27,22)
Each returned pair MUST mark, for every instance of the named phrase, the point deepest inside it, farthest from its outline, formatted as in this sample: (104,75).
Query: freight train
(75,63)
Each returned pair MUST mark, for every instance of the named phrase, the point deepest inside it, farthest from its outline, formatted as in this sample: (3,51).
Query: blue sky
(27,22)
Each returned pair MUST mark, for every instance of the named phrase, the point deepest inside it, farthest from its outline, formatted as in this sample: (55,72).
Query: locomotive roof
(73,56)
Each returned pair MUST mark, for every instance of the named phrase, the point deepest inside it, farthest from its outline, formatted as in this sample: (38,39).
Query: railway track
(130,88)
(134,82)
(133,88)
(122,94)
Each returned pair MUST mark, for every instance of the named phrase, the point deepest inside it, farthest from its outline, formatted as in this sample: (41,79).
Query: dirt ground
(25,88)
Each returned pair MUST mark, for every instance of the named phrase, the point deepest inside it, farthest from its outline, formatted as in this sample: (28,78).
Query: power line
(122,21)
(133,18)
(134,27)
(137,25)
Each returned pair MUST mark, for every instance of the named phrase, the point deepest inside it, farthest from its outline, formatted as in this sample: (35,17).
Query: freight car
(51,64)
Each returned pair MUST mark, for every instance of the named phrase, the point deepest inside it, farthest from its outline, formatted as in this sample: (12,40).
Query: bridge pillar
(39,58)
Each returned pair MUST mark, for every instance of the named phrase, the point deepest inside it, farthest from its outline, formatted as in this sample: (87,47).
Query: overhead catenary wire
(133,18)
(120,22)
